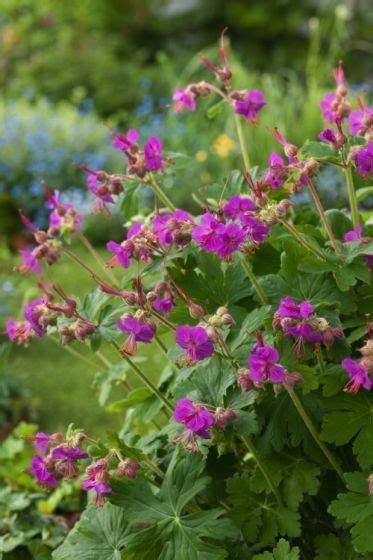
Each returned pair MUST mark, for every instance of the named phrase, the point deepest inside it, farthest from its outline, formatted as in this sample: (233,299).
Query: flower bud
(227,319)
(290,150)
(151,296)
(244,380)
(83,329)
(222,417)
(292,379)
(221,311)
(196,311)
(127,468)
(213,333)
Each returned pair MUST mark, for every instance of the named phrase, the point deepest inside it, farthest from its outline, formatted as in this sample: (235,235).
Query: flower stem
(154,468)
(352,196)
(263,298)
(320,361)
(145,379)
(74,353)
(243,146)
(321,211)
(259,461)
(311,428)
(301,239)
(97,257)
(160,194)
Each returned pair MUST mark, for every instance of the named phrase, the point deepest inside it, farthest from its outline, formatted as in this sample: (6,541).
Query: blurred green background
(70,72)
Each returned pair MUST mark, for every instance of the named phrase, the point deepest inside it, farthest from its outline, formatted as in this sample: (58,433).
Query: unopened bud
(244,380)
(127,468)
(212,333)
(227,319)
(222,417)
(196,311)
(290,150)
(221,311)
(292,379)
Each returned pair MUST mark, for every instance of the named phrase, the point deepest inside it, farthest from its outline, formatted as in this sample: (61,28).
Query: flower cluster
(59,458)
(63,219)
(300,322)
(245,103)
(140,161)
(236,228)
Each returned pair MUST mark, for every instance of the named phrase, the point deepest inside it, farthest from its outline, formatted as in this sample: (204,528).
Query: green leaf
(338,222)
(215,110)
(361,194)
(258,516)
(316,288)
(350,417)
(318,150)
(356,507)
(133,398)
(283,551)
(212,381)
(211,283)
(100,534)
(175,533)
(251,324)
(330,547)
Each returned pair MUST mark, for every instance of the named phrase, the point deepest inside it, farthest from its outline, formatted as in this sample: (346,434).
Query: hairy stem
(243,146)
(262,296)
(321,211)
(263,469)
(311,428)
(145,380)
(301,239)
(97,257)
(157,190)
(74,353)
(352,196)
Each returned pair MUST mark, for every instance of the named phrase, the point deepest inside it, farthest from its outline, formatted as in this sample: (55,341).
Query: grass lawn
(59,383)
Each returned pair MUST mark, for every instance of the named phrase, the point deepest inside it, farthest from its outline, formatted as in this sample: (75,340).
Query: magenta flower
(97,480)
(229,238)
(290,310)
(165,225)
(205,235)
(29,263)
(327,135)
(263,365)
(194,417)
(42,441)
(277,172)
(35,314)
(364,160)
(303,333)
(63,218)
(327,106)
(123,142)
(122,254)
(43,471)
(184,99)
(137,332)
(251,105)
(237,206)
(195,342)
(361,121)
(164,305)
(100,191)
(353,235)
(20,332)
(358,376)
(153,154)
(254,230)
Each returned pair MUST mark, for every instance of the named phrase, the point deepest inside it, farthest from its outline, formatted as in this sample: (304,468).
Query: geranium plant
(255,442)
